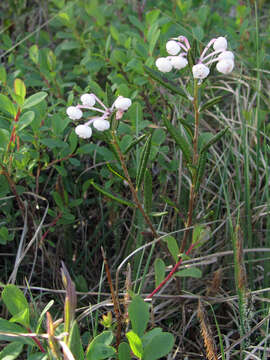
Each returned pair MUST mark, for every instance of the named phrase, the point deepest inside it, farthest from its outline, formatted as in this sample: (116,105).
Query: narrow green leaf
(159,346)
(25,120)
(210,103)
(115,172)
(187,126)
(180,140)
(214,139)
(147,193)
(3,75)
(190,272)
(143,161)
(160,269)
(124,351)
(106,193)
(19,88)
(7,105)
(16,303)
(74,342)
(172,247)
(11,351)
(164,81)
(134,142)
(138,312)
(34,99)
(43,313)
(135,343)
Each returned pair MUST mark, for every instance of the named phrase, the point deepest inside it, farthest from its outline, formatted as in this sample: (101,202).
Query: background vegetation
(49,212)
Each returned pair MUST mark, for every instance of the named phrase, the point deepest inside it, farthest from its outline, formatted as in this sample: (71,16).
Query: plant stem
(132,188)
(192,193)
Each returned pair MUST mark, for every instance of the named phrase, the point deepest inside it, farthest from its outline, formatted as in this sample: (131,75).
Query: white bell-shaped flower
(172,47)
(101,124)
(220,44)
(178,62)
(225,66)
(74,113)
(83,131)
(226,55)
(164,64)
(200,71)
(88,100)
(122,103)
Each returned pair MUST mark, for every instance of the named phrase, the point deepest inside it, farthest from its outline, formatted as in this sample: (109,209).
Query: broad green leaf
(73,141)
(214,139)
(21,317)
(152,16)
(106,193)
(74,342)
(7,105)
(180,140)
(34,99)
(143,161)
(99,343)
(210,103)
(16,303)
(160,269)
(200,234)
(19,88)
(12,328)
(34,54)
(11,351)
(100,351)
(147,191)
(138,312)
(124,351)
(159,346)
(4,138)
(190,272)
(3,75)
(164,81)
(25,120)
(147,337)
(172,247)
(53,143)
(135,343)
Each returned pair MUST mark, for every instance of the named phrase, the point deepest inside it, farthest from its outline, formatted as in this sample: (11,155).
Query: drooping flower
(172,47)
(220,44)
(178,62)
(225,66)
(164,64)
(200,71)
(74,113)
(226,55)
(88,99)
(83,131)
(101,124)
(122,103)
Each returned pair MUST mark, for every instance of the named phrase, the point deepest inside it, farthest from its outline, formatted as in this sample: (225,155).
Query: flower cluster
(179,47)
(100,123)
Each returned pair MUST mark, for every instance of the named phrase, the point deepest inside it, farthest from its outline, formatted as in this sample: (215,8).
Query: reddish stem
(36,340)
(50,225)
(176,266)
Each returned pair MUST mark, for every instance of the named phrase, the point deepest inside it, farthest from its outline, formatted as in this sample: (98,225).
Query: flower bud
(226,55)
(163,64)
(88,100)
(225,66)
(200,71)
(74,113)
(83,131)
(172,47)
(122,103)
(101,124)
(220,44)
(178,62)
